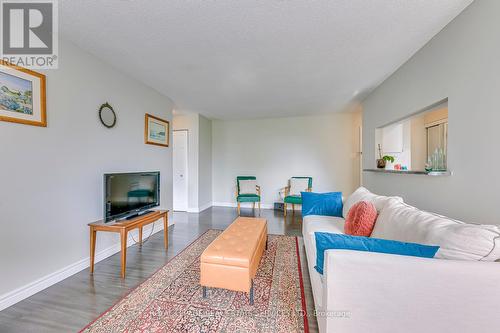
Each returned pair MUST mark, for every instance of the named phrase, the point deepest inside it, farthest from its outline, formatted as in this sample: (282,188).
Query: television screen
(128,194)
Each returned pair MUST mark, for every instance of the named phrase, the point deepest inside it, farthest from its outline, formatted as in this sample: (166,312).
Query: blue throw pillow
(326,241)
(329,204)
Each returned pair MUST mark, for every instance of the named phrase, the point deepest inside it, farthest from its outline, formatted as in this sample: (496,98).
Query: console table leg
(140,236)
(165,230)
(123,237)
(93,235)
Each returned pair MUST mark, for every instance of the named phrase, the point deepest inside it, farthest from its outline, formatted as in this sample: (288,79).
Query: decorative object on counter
(156,131)
(107,115)
(382,161)
(428,165)
(388,158)
(22,95)
(437,161)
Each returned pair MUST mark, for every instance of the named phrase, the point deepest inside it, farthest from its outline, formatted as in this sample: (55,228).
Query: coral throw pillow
(361,219)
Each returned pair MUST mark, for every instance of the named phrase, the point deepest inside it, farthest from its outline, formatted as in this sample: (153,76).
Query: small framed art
(156,131)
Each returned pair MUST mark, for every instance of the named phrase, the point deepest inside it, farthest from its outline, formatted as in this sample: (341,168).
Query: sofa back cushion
(362,194)
(457,240)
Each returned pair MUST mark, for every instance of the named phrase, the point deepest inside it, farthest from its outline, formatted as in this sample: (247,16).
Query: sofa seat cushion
(362,194)
(310,225)
(320,223)
(457,240)
(293,199)
(248,198)
(326,241)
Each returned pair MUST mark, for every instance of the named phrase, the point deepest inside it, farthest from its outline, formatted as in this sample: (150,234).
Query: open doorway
(180,170)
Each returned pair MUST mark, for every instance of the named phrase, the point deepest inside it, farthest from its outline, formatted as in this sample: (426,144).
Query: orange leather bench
(231,260)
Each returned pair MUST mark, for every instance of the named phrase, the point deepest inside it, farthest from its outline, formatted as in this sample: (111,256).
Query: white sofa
(457,291)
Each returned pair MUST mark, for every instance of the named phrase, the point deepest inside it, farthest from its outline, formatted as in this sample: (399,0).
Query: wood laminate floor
(74,302)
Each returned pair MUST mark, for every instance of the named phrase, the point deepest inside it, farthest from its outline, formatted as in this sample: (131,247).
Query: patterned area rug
(171,299)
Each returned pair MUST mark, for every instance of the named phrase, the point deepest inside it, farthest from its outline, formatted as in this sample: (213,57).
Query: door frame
(186,175)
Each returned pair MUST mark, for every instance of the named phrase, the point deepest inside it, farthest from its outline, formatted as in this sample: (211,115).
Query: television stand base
(133,216)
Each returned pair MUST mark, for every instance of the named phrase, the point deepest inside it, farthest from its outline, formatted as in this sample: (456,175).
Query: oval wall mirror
(107,115)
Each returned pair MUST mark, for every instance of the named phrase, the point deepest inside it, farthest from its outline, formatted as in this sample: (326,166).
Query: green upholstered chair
(247,197)
(293,198)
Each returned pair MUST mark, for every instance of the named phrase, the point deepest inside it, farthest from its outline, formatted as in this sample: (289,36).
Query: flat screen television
(130,194)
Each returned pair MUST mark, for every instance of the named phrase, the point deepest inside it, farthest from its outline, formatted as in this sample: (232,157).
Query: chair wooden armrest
(258,189)
(287,190)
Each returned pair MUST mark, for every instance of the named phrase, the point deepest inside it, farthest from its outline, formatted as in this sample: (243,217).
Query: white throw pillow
(248,186)
(362,194)
(457,240)
(298,185)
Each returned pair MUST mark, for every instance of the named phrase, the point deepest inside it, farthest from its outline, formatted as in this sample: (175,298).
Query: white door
(180,167)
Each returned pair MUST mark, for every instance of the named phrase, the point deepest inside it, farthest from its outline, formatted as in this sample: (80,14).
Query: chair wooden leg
(239,208)
(284,210)
(293,209)
(259,208)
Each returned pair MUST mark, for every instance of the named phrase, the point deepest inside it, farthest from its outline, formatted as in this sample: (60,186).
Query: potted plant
(382,161)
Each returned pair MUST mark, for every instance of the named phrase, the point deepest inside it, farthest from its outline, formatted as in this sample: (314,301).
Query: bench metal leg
(251,294)
(204,292)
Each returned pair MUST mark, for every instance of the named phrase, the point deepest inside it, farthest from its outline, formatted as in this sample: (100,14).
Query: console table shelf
(123,227)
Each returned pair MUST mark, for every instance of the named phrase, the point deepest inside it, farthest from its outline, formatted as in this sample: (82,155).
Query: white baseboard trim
(205,207)
(200,209)
(249,204)
(243,205)
(36,286)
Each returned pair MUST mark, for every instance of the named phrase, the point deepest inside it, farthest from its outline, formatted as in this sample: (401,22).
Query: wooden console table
(123,227)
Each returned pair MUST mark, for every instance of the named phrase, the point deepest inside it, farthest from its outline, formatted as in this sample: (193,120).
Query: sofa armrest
(375,292)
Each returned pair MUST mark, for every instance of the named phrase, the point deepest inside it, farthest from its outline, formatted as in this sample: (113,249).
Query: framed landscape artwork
(22,95)
(156,131)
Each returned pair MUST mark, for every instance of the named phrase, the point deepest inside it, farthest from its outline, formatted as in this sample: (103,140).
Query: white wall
(324,147)
(418,143)
(51,178)
(462,63)
(205,163)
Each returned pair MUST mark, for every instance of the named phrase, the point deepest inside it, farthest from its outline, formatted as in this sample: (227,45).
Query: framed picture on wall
(22,95)
(156,131)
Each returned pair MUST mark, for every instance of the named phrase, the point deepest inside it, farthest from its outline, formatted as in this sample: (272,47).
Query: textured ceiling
(245,59)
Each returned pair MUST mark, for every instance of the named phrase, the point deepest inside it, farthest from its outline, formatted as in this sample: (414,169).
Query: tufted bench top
(237,245)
